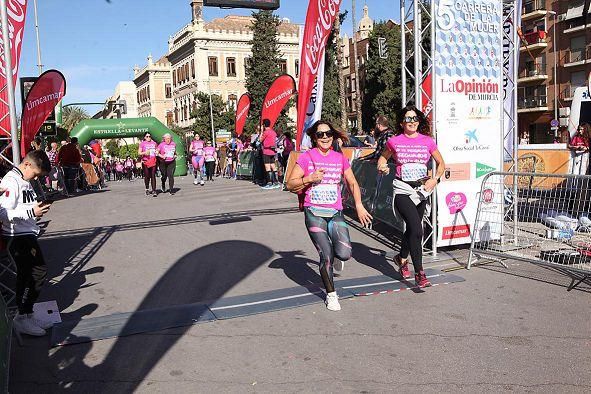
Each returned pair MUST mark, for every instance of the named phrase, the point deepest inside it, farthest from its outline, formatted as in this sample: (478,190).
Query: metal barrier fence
(544,219)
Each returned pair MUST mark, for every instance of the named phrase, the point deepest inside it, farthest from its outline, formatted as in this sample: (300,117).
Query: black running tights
(412,241)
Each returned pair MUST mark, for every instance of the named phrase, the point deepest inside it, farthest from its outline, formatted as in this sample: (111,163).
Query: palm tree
(73,115)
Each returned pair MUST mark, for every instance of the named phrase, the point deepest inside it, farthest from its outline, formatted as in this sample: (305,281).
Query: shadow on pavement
(198,276)
(297,268)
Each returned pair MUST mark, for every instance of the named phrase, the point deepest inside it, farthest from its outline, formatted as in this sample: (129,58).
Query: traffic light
(382,48)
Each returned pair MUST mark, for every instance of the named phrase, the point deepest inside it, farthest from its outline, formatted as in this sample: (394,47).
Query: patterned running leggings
(331,238)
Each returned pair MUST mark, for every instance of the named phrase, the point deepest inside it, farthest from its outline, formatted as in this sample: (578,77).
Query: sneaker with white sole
(332,302)
(46,325)
(195,182)
(338,265)
(27,324)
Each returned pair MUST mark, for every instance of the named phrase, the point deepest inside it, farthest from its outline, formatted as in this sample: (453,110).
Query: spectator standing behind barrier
(69,158)
(319,173)
(167,155)
(579,147)
(269,142)
(412,149)
(54,173)
(147,153)
(19,210)
(383,133)
(258,167)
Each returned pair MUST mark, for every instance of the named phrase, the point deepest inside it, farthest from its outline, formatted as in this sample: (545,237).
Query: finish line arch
(95,129)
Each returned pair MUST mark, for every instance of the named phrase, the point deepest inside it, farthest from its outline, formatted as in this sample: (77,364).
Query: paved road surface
(118,251)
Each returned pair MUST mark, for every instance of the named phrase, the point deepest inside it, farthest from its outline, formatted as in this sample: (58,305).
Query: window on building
(174,79)
(283,66)
(232,101)
(139,100)
(577,49)
(193,68)
(186,112)
(167,91)
(194,108)
(176,115)
(213,66)
(148,93)
(187,71)
(297,68)
(577,79)
(231,66)
(353,87)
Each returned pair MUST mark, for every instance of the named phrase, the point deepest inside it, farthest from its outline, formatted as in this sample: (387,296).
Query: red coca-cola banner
(44,95)
(427,97)
(281,90)
(242,112)
(319,22)
(17,11)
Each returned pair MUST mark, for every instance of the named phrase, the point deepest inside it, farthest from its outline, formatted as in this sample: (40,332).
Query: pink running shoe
(402,268)
(421,280)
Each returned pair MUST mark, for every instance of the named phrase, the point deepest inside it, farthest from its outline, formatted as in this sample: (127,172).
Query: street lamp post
(39,65)
(210,102)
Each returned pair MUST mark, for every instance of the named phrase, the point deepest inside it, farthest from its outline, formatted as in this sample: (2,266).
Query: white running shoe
(332,302)
(338,265)
(27,324)
(195,182)
(202,183)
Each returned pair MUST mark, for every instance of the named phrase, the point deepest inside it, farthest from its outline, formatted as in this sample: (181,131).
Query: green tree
(331,103)
(223,118)
(112,148)
(129,150)
(73,115)
(263,67)
(383,79)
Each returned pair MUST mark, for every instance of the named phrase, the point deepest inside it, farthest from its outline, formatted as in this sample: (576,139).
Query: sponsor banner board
(468,112)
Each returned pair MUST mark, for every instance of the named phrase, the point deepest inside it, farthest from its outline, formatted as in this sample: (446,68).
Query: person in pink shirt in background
(147,153)
(210,156)
(167,155)
(269,142)
(319,173)
(197,158)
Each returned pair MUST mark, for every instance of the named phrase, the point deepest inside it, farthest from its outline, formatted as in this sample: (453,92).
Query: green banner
(246,160)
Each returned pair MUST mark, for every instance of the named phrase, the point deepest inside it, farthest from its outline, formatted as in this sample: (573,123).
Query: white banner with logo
(468,112)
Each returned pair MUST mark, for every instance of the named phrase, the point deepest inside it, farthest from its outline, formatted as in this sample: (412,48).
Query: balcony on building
(533,9)
(576,56)
(534,40)
(533,72)
(573,18)
(568,93)
(532,104)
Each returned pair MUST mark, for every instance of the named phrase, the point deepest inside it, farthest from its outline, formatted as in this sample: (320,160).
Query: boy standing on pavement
(18,210)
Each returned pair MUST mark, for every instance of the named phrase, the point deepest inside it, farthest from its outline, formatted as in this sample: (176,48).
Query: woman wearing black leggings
(319,173)
(412,149)
(167,158)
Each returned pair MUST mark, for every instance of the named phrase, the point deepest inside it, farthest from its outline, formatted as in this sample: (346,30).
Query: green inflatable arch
(94,129)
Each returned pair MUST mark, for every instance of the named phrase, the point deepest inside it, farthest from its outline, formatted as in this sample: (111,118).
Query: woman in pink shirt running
(412,149)
(319,173)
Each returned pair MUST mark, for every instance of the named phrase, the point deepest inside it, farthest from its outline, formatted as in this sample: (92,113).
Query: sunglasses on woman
(410,119)
(323,134)
(148,136)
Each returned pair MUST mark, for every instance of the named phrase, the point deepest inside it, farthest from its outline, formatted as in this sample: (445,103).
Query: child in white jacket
(18,213)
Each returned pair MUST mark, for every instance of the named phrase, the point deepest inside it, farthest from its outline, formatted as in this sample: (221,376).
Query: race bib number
(169,154)
(152,152)
(199,152)
(413,171)
(324,194)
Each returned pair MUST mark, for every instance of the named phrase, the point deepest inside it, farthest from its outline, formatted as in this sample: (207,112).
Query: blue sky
(96,43)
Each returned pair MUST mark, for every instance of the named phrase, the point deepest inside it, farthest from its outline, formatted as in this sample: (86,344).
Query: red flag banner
(242,112)
(44,95)
(281,90)
(17,11)
(427,97)
(319,22)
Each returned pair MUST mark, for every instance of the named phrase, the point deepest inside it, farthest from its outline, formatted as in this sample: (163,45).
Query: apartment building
(555,59)
(153,85)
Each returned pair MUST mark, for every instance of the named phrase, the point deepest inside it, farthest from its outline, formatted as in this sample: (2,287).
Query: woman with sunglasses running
(197,158)
(412,149)
(147,152)
(319,173)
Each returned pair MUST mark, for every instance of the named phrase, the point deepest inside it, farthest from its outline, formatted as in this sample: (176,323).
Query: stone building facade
(153,85)
(211,57)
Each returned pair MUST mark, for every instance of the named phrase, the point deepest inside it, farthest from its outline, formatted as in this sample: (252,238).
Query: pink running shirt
(326,194)
(150,147)
(411,155)
(167,150)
